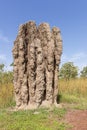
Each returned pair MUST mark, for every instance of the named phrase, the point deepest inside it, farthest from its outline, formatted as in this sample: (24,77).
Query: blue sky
(69,15)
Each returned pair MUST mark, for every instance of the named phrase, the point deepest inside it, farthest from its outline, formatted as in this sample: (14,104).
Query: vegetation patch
(28,120)
(72,95)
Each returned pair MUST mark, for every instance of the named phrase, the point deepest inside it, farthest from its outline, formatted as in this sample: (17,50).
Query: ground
(66,118)
(77,119)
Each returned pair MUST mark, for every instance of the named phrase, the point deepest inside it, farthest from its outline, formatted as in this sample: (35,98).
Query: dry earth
(77,119)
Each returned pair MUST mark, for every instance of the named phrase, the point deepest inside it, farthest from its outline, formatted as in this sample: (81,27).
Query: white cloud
(4,38)
(8,68)
(2,57)
(78,56)
(79,59)
(64,58)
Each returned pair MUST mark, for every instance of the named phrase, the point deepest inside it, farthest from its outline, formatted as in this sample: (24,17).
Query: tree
(68,70)
(5,77)
(2,67)
(84,72)
(12,64)
(1,72)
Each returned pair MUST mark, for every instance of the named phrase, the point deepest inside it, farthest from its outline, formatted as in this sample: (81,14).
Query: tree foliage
(2,67)
(84,72)
(5,77)
(68,70)
(12,64)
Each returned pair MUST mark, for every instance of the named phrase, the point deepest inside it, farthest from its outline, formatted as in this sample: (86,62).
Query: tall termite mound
(36,52)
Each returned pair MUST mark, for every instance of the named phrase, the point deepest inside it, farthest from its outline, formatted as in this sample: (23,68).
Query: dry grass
(73,92)
(70,91)
(6,94)
(74,87)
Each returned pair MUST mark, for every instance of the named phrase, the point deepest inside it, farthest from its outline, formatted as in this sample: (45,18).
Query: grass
(6,95)
(27,120)
(76,87)
(72,94)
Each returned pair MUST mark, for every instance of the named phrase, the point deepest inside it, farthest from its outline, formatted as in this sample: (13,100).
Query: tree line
(67,71)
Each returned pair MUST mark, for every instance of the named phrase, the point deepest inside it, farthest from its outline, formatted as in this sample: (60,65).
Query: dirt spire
(37,53)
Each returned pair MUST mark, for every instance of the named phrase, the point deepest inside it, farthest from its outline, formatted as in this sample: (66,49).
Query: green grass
(74,93)
(73,101)
(27,120)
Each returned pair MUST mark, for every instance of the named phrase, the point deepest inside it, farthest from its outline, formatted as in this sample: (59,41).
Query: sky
(69,15)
